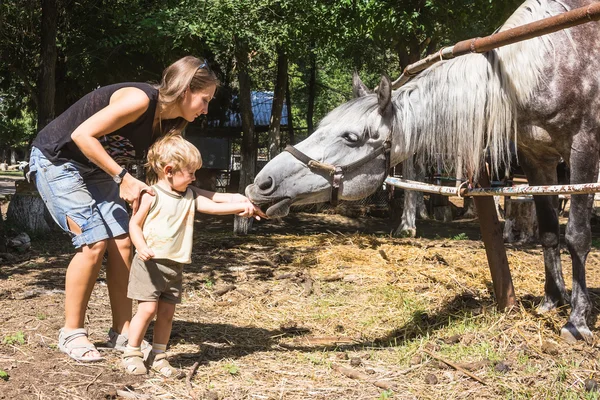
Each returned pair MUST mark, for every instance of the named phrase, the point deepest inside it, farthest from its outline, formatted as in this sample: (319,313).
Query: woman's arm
(126,105)
(136,223)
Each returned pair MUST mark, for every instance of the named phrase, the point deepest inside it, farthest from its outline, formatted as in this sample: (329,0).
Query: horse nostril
(265,183)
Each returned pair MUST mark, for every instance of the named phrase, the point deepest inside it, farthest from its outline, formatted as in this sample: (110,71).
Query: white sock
(133,348)
(159,348)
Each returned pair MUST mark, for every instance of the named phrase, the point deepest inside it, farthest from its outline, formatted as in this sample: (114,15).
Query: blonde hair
(187,72)
(171,150)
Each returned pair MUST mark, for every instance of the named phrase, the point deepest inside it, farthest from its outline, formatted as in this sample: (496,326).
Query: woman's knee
(123,243)
(95,250)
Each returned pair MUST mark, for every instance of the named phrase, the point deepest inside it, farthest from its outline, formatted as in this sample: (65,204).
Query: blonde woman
(76,163)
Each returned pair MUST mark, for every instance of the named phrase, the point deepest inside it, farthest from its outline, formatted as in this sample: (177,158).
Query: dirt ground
(319,307)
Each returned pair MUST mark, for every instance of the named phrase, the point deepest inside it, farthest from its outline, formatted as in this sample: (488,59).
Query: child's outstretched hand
(252,211)
(145,254)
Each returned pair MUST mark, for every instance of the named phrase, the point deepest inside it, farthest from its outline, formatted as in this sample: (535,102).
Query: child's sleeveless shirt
(169,225)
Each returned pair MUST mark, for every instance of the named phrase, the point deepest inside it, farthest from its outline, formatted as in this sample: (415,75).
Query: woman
(76,162)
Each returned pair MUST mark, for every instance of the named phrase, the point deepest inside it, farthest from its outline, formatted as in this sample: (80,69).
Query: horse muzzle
(273,207)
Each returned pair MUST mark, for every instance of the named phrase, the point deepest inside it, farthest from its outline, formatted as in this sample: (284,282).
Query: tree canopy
(106,41)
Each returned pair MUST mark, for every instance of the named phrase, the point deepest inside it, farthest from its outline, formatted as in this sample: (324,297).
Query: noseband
(337,171)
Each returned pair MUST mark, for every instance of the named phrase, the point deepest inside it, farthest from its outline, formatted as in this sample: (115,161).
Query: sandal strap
(159,364)
(80,351)
(72,335)
(132,354)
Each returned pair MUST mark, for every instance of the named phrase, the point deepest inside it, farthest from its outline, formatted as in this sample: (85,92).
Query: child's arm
(135,228)
(221,197)
(209,206)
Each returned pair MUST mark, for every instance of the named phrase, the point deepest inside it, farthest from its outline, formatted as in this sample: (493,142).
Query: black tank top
(125,145)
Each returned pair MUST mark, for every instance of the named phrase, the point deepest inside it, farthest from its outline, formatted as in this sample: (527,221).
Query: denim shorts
(85,194)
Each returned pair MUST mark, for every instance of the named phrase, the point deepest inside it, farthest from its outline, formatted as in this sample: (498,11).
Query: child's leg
(164,322)
(162,332)
(133,358)
(140,322)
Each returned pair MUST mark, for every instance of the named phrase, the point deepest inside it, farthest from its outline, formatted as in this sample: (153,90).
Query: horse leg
(543,172)
(408,226)
(584,169)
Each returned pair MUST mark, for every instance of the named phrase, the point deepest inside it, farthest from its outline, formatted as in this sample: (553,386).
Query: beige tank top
(169,225)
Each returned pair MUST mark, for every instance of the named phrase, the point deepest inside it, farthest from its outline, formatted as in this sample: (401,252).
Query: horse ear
(384,94)
(358,88)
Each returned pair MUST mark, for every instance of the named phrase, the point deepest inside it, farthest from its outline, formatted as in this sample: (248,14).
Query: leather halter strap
(336,171)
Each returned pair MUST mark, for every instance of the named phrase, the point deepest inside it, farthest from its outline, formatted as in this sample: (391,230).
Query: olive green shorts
(155,280)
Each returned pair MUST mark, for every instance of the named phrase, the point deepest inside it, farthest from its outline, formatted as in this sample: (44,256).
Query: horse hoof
(571,334)
(406,233)
(545,307)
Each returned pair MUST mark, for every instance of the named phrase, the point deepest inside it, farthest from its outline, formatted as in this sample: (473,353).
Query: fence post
(491,233)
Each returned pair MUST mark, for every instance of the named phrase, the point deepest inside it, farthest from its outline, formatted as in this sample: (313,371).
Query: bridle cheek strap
(337,172)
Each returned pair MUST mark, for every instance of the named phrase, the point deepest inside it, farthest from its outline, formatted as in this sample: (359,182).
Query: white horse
(543,94)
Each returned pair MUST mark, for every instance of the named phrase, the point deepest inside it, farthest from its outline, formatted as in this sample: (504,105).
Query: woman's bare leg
(81,276)
(117,279)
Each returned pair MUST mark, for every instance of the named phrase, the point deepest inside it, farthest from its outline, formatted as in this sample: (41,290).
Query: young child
(161,231)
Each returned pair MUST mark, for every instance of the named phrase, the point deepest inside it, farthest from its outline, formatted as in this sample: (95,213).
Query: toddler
(161,231)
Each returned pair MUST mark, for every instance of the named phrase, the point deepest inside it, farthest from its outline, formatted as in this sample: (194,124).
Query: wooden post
(491,233)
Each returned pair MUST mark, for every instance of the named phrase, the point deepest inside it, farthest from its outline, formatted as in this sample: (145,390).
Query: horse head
(350,149)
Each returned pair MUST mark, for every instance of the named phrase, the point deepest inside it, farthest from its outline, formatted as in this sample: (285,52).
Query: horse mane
(469,105)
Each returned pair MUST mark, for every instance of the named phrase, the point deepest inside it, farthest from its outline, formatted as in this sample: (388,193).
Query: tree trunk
(2,235)
(46,79)
(290,120)
(312,93)
(26,209)
(520,223)
(278,99)
(248,151)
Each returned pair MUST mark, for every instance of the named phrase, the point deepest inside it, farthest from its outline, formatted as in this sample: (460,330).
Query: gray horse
(545,89)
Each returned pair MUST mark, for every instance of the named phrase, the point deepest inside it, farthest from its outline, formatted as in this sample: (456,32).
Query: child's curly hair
(173,150)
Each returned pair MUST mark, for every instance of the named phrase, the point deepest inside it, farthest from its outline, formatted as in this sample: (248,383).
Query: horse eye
(350,137)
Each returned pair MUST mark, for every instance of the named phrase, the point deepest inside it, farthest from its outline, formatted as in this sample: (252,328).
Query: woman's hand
(131,190)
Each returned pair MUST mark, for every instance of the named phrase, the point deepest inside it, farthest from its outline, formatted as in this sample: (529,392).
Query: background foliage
(106,41)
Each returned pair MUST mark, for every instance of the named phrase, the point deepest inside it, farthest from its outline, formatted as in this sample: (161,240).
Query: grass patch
(17,338)
(231,368)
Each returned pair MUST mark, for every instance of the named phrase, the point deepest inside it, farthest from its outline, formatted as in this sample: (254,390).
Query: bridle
(337,171)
